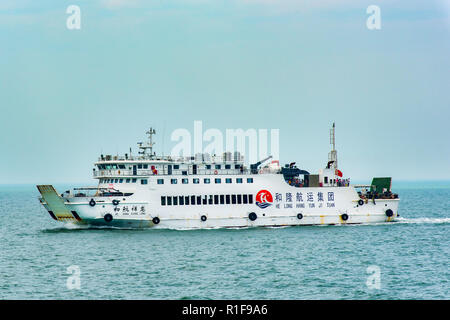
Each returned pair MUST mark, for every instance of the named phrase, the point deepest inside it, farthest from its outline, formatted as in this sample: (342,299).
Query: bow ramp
(55,204)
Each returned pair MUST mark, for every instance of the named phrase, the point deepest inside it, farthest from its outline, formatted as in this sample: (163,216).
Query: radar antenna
(147,146)
(332,155)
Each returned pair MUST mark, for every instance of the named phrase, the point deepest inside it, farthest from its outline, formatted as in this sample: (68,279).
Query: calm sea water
(324,262)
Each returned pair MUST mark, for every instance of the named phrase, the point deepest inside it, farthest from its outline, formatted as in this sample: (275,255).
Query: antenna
(333,137)
(332,156)
(148,145)
(163,137)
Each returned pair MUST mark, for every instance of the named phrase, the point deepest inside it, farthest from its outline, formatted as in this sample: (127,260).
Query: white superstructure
(207,191)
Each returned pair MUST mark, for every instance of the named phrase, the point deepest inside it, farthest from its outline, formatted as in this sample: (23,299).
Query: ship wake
(423,220)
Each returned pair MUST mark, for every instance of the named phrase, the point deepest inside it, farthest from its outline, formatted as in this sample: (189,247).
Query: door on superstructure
(169,169)
(134,170)
(194,169)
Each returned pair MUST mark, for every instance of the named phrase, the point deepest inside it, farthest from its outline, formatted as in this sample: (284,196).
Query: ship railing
(210,159)
(134,158)
(366,192)
(82,192)
(88,192)
(144,172)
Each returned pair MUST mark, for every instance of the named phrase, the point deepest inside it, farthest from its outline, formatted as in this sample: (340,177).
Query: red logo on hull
(264,199)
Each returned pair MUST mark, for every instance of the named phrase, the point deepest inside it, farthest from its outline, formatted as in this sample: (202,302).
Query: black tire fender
(344,216)
(252,216)
(108,217)
(115,202)
(156,220)
(360,202)
(92,203)
(299,216)
(389,213)
(203,218)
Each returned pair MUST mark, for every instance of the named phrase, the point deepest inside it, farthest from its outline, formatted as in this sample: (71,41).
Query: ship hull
(283,205)
(242,222)
(309,218)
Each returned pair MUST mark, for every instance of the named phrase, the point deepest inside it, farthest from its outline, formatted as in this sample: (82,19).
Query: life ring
(115,202)
(360,202)
(108,217)
(252,216)
(389,213)
(299,216)
(216,172)
(203,218)
(155,220)
(344,216)
(92,202)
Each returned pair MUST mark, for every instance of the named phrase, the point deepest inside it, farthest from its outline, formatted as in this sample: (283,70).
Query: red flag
(338,172)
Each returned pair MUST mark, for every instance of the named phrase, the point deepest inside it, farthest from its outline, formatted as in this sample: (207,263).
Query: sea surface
(411,256)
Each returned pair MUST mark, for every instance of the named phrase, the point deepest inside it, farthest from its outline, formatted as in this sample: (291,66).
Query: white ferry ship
(218,192)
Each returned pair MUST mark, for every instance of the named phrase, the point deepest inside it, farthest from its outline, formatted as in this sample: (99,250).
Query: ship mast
(148,145)
(332,155)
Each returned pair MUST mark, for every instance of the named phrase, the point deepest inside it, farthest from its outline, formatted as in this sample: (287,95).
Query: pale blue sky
(69,95)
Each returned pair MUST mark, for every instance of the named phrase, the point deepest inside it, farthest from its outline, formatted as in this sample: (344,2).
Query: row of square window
(128,180)
(120,166)
(175,167)
(175,181)
(216,166)
(205,180)
(211,199)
